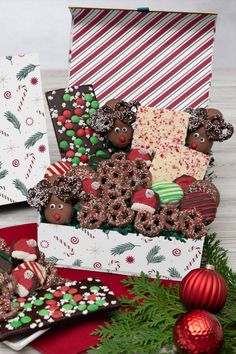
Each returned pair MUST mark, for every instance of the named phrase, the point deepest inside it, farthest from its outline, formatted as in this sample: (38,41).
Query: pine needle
(120,249)
(3,173)
(13,120)
(23,73)
(20,186)
(32,140)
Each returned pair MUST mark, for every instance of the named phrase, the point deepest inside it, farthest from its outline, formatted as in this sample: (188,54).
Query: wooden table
(223,97)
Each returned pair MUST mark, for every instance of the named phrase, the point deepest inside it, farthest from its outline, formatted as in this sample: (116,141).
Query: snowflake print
(34,81)
(42,148)
(130,259)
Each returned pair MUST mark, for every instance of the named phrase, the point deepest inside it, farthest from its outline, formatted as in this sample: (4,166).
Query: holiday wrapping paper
(162,59)
(154,125)
(115,253)
(24,154)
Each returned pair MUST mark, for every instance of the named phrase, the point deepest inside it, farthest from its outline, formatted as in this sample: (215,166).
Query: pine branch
(3,173)
(23,73)
(32,140)
(9,58)
(13,120)
(122,248)
(152,256)
(77,263)
(52,260)
(21,187)
(174,273)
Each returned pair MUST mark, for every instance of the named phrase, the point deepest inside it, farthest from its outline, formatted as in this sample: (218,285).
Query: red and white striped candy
(38,270)
(57,169)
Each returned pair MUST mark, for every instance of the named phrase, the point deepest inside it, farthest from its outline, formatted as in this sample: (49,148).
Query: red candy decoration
(80,132)
(198,332)
(92,297)
(77,297)
(78,111)
(67,113)
(51,302)
(72,291)
(64,288)
(80,101)
(57,293)
(69,125)
(70,153)
(203,288)
(88,131)
(84,158)
(61,119)
(57,314)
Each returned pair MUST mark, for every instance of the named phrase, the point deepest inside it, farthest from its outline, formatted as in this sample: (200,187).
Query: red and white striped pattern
(38,270)
(161,59)
(57,169)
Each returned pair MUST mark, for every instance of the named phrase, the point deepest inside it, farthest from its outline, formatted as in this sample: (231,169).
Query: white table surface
(223,97)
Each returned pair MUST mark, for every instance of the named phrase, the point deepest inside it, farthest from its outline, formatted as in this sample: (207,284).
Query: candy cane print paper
(24,153)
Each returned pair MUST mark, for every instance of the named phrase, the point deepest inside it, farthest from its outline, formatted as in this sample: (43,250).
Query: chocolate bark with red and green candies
(70,109)
(74,299)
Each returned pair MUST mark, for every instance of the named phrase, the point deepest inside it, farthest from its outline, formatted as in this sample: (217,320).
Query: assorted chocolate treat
(71,110)
(33,296)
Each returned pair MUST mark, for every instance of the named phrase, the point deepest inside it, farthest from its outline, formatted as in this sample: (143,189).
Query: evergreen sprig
(52,260)
(23,73)
(153,257)
(9,58)
(20,186)
(32,140)
(124,247)
(77,263)
(3,173)
(173,272)
(13,120)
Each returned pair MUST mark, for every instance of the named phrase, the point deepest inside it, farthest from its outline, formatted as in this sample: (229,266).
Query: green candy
(81,307)
(169,192)
(94,140)
(67,307)
(70,132)
(92,307)
(28,305)
(76,160)
(67,297)
(82,150)
(95,104)
(16,324)
(100,153)
(75,119)
(73,302)
(100,302)
(38,302)
(92,111)
(88,97)
(63,144)
(48,296)
(25,319)
(15,304)
(66,97)
(88,121)
(94,289)
(43,312)
(78,142)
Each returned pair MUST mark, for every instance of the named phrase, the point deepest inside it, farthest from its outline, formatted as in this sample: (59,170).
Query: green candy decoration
(76,160)
(88,97)
(28,305)
(63,144)
(92,111)
(66,97)
(75,119)
(95,104)
(81,307)
(15,304)
(100,153)
(94,289)
(94,140)
(88,121)
(67,307)
(48,296)
(70,132)
(16,324)
(100,302)
(25,319)
(78,142)
(43,312)
(67,297)
(38,302)
(92,307)
(82,150)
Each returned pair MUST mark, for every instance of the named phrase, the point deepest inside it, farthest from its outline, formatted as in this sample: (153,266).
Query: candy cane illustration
(24,90)
(7,198)
(114,263)
(2,132)
(198,254)
(32,160)
(40,113)
(70,250)
(87,232)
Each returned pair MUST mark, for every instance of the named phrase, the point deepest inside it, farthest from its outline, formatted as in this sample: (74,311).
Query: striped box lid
(162,59)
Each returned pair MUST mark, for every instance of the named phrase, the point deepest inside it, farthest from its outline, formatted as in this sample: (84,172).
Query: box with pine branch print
(24,154)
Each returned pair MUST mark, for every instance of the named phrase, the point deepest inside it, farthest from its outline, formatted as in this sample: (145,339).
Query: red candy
(21,299)
(80,101)
(53,308)
(77,297)
(69,125)
(51,302)
(78,111)
(70,153)
(92,297)
(88,131)
(67,113)
(84,158)
(61,119)
(57,293)
(72,291)
(57,314)
(64,288)
(80,132)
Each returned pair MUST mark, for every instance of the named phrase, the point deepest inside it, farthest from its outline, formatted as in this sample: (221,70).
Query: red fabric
(73,338)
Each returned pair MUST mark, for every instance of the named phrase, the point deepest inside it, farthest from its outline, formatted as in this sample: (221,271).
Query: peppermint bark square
(70,109)
(173,161)
(155,125)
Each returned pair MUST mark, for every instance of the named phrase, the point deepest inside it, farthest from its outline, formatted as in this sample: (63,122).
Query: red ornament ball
(198,332)
(203,288)
(88,131)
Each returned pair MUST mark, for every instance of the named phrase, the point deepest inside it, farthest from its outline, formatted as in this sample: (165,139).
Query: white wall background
(43,26)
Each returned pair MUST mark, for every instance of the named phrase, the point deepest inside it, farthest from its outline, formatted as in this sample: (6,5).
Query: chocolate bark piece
(70,109)
(48,307)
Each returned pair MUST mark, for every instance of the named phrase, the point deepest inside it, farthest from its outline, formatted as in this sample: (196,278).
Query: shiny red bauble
(198,332)
(203,288)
